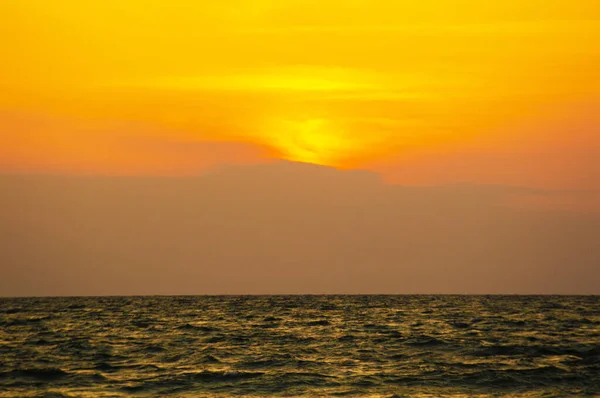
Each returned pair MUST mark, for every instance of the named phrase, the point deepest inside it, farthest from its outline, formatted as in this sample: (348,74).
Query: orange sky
(427,92)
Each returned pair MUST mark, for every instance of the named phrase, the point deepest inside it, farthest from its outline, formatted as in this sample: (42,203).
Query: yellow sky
(425,92)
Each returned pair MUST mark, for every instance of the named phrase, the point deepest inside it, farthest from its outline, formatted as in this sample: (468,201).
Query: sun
(313,140)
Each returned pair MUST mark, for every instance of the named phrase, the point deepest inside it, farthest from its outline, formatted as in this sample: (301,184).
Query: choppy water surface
(300,346)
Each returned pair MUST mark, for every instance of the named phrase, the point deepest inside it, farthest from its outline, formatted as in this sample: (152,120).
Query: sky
(423,95)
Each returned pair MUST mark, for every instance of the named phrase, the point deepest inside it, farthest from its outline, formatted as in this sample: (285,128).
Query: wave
(54,394)
(197,328)
(533,377)
(320,322)
(425,341)
(188,380)
(43,374)
(584,353)
(27,321)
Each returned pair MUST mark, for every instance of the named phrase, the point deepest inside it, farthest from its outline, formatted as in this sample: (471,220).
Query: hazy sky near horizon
(289,146)
(286,228)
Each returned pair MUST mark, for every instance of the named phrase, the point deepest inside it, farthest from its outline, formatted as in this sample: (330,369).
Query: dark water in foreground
(300,346)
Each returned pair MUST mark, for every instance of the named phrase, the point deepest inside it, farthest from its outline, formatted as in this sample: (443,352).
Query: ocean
(304,346)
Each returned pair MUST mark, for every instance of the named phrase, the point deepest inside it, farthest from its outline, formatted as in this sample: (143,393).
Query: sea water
(325,346)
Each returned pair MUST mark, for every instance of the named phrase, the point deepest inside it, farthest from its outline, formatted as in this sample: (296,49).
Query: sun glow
(150,85)
(312,141)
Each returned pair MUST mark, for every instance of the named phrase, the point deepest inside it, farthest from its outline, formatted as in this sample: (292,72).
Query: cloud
(37,142)
(284,228)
